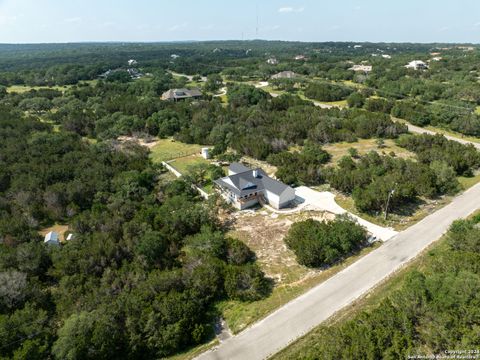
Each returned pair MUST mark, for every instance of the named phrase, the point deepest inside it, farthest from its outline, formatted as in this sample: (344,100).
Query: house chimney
(255,173)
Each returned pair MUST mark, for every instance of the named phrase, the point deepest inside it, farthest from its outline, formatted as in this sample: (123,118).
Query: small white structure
(52,239)
(386,56)
(417,65)
(174,56)
(300,57)
(362,68)
(205,153)
(70,237)
(132,62)
(437,58)
(357,46)
(272,61)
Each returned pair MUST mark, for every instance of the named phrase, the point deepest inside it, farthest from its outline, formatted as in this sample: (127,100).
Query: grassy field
(182,164)
(168,149)
(263,232)
(364,146)
(468,182)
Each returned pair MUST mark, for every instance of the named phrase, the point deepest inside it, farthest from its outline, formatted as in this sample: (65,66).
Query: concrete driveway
(325,200)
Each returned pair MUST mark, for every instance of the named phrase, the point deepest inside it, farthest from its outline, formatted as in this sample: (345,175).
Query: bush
(318,243)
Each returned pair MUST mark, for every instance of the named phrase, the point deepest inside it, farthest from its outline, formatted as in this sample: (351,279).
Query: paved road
(419,130)
(325,200)
(296,318)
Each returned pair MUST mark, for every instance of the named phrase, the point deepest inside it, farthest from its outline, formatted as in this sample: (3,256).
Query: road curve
(299,316)
(419,130)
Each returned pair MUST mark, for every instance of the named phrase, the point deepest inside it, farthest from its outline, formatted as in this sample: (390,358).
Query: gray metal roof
(284,75)
(245,183)
(181,93)
(237,167)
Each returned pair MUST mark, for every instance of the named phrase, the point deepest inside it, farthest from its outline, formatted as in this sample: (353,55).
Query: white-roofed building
(417,65)
(52,238)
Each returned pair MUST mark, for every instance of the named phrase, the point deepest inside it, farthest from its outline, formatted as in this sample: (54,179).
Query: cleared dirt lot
(264,232)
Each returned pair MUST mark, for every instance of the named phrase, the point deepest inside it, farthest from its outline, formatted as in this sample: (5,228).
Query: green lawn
(468,182)
(168,149)
(182,164)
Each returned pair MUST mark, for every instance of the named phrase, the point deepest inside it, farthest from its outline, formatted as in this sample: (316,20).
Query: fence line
(177,173)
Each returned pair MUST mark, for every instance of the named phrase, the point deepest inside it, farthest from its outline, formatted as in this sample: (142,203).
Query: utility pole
(390,194)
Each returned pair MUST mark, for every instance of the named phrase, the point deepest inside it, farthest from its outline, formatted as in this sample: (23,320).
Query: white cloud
(289,9)
(73,20)
(178,27)
(108,24)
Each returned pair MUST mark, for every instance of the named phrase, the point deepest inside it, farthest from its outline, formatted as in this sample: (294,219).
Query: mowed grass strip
(169,149)
(182,164)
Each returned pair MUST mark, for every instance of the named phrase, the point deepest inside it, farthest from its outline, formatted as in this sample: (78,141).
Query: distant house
(105,74)
(174,56)
(181,94)
(357,46)
(132,62)
(245,187)
(134,73)
(386,56)
(51,239)
(272,61)
(437,58)
(70,237)
(285,75)
(361,68)
(417,65)
(300,57)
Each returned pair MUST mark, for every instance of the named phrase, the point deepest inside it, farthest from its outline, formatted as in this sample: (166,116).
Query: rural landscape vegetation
(151,260)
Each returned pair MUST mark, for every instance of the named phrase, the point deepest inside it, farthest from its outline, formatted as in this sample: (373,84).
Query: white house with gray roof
(181,94)
(245,187)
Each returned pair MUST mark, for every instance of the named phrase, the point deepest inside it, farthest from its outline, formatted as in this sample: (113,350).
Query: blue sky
(33,21)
